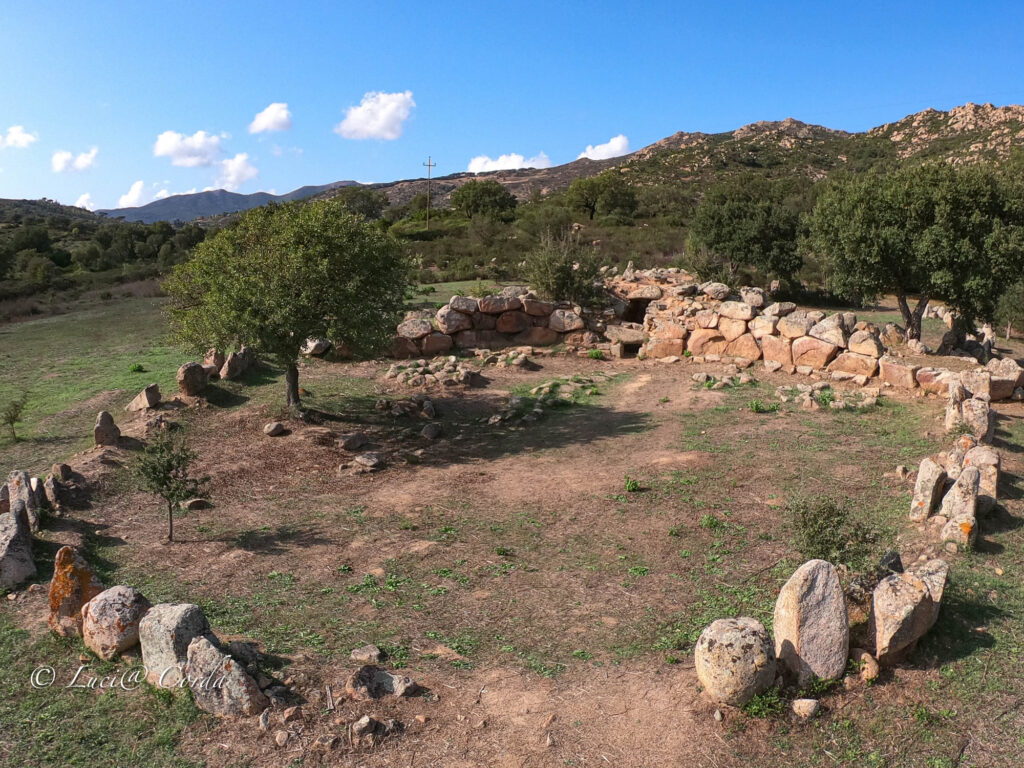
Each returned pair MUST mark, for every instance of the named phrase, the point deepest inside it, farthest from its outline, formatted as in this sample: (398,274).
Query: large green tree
(606,193)
(745,223)
(934,231)
(483,197)
(285,274)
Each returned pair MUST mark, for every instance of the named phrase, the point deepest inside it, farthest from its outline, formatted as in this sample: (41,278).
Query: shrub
(632,485)
(824,529)
(595,354)
(757,406)
(136,368)
(560,269)
(12,412)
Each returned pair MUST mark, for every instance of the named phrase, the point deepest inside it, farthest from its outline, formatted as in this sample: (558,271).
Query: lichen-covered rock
(927,489)
(73,585)
(795,325)
(415,328)
(977,417)
(16,563)
(495,305)
(465,304)
(987,461)
(736,310)
(165,633)
(219,684)
(735,660)
(755,297)
(904,607)
(146,399)
(110,621)
(811,626)
(716,291)
(960,508)
(780,308)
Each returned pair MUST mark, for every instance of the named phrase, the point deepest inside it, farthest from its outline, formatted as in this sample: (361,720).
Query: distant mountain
(212,203)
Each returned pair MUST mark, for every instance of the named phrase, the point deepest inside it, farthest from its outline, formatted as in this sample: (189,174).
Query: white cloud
(614,147)
(132,197)
(511,161)
(64,161)
(276,117)
(378,116)
(85,201)
(236,171)
(199,149)
(161,194)
(17,138)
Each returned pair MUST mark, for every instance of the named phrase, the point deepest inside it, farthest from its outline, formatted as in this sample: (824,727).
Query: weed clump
(824,529)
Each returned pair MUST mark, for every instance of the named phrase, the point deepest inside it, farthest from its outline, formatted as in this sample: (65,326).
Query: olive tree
(934,230)
(285,274)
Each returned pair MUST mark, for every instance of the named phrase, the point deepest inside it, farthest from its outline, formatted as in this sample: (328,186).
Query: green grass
(63,361)
(67,727)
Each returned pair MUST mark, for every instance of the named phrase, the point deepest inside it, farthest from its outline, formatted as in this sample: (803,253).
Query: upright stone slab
(165,633)
(23,498)
(927,489)
(220,685)
(192,379)
(16,563)
(977,416)
(904,607)
(73,585)
(960,506)
(106,432)
(987,461)
(811,626)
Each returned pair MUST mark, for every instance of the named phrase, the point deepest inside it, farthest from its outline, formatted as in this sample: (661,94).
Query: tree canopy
(484,197)
(955,234)
(607,194)
(744,223)
(285,274)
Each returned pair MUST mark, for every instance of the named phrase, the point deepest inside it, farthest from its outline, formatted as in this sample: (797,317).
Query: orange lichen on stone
(72,586)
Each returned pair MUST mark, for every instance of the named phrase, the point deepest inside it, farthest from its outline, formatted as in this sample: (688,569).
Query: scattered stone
(805,709)
(735,660)
(370,461)
(165,633)
(146,399)
(367,654)
(372,682)
(273,429)
(73,585)
(868,666)
(352,441)
(110,621)
(281,738)
(106,432)
(432,431)
(811,626)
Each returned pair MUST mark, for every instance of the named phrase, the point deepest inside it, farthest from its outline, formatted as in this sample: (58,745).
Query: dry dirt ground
(547,612)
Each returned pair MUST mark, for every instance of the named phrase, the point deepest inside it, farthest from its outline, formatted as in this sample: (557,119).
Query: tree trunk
(291,379)
(912,319)
(170,522)
(1009,330)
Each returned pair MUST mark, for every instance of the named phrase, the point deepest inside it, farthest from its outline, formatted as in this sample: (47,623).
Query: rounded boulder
(735,660)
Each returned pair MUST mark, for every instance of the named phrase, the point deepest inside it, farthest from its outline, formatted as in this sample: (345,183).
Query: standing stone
(146,399)
(192,379)
(927,489)
(220,685)
(735,660)
(16,563)
(904,607)
(811,626)
(23,499)
(165,633)
(987,461)
(960,508)
(73,585)
(215,358)
(977,416)
(110,621)
(235,364)
(954,406)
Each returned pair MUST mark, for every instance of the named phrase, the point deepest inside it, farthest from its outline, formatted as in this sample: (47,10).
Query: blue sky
(166,94)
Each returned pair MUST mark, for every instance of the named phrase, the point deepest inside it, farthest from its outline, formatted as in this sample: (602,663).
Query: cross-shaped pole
(429,165)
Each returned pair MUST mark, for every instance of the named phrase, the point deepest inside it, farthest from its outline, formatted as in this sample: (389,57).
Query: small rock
(281,738)
(367,654)
(291,714)
(273,429)
(805,709)
(372,682)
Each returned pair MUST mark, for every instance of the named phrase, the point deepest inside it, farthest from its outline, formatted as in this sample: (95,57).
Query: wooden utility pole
(429,165)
